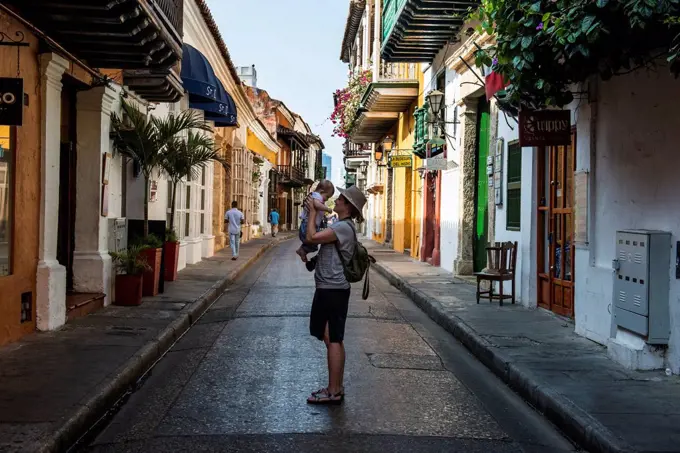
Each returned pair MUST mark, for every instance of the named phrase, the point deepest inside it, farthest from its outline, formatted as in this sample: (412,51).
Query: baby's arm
(319,206)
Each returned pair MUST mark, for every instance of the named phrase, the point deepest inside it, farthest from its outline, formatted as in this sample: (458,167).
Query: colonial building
(56,210)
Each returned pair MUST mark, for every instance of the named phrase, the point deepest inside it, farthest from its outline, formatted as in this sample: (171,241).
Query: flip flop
(325,398)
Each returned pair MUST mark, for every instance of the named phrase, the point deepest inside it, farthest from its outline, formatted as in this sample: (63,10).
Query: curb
(127,374)
(580,426)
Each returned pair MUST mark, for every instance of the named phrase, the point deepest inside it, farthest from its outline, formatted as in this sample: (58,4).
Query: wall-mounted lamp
(388,144)
(435,99)
(378,154)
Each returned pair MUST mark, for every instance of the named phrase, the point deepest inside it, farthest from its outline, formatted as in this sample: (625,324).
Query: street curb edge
(576,423)
(91,411)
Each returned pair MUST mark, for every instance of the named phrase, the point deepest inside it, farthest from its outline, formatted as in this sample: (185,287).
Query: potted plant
(183,159)
(129,280)
(171,249)
(145,140)
(152,253)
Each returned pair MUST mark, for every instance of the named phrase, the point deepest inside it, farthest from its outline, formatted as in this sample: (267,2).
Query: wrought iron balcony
(121,34)
(416,30)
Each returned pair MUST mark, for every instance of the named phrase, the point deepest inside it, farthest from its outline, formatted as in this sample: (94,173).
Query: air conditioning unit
(118,233)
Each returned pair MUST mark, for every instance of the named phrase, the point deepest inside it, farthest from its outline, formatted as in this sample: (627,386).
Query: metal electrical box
(641,283)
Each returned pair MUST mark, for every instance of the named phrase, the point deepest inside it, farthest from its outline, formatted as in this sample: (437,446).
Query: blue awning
(206,92)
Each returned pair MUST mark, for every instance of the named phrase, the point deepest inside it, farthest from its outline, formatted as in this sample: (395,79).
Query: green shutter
(514,187)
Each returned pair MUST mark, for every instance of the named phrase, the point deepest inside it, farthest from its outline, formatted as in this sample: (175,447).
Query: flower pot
(153,276)
(171,260)
(129,290)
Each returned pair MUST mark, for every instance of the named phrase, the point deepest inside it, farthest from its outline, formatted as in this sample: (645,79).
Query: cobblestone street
(237,381)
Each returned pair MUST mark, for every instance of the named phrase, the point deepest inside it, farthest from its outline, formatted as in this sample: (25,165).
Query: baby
(324,190)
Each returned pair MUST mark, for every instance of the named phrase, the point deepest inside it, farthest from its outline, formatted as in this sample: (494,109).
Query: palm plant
(184,158)
(145,139)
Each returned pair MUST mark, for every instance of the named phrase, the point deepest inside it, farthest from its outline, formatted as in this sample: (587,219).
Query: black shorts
(329,306)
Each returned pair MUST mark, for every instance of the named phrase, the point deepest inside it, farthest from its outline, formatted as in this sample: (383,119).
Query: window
(6,198)
(514,187)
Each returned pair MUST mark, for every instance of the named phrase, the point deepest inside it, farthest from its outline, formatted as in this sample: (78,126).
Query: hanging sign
(436,163)
(400,161)
(11,101)
(545,128)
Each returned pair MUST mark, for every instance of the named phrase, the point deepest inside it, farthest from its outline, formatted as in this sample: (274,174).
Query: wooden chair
(501,261)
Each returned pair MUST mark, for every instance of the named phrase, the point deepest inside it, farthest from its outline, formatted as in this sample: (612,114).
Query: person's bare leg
(336,364)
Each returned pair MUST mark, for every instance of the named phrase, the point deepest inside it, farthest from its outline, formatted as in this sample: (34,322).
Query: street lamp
(378,154)
(435,100)
(388,144)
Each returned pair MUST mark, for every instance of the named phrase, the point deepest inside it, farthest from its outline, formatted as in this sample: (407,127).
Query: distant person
(235,219)
(323,192)
(274,221)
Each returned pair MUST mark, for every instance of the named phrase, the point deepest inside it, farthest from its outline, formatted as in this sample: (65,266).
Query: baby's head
(326,189)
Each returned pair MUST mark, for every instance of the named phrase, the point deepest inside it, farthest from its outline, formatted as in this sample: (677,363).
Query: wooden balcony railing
(391,9)
(355,150)
(291,173)
(397,71)
(173,11)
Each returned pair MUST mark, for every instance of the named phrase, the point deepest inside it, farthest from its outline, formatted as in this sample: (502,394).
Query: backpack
(358,265)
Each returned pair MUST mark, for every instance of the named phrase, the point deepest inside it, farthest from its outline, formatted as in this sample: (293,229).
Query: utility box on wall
(641,284)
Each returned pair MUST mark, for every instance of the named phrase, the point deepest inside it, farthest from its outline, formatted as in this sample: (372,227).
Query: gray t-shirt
(329,271)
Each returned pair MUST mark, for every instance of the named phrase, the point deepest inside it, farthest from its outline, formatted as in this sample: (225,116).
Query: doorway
(556,228)
(481,230)
(67,182)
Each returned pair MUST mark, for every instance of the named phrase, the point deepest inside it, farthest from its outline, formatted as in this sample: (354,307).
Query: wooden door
(480,240)
(556,228)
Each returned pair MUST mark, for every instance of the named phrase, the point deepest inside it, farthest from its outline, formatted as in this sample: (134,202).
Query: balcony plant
(130,266)
(544,47)
(183,159)
(145,139)
(348,102)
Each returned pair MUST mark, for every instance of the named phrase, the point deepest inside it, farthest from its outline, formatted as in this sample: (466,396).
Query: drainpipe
(376,40)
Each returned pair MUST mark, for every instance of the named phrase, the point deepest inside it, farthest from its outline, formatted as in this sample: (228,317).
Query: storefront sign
(11,101)
(545,128)
(436,163)
(400,161)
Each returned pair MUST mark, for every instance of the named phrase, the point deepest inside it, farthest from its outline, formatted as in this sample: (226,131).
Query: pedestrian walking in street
(274,221)
(234,218)
(323,192)
(331,298)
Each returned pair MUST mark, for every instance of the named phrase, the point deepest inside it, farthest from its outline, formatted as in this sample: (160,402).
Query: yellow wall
(255,144)
(408,184)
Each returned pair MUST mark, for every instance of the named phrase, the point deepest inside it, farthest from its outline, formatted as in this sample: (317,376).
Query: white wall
(637,131)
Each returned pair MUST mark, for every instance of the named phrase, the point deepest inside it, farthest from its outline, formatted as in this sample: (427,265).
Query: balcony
(395,89)
(355,154)
(155,85)
(121,34)
(416,30)
(291,176)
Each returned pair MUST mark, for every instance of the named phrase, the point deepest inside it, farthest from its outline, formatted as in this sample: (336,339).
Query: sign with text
(545,128)
(11,101)
(400,161)
(436,163)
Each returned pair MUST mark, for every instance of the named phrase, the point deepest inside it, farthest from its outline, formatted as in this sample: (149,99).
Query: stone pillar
(91,260)
(51,276)
(464,263)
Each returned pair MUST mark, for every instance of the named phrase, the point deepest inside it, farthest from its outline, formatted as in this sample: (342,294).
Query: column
(51,276)
(92,271)
(208,237)
(376,41)
(464,264)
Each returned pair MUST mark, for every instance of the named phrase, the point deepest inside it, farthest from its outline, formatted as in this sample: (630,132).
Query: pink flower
(539,26)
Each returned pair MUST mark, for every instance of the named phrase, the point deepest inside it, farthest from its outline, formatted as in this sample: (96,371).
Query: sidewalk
(599,404)
(54,386)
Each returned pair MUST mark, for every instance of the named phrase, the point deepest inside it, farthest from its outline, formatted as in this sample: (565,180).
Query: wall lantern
(435,99)
(378,154)
(388,144)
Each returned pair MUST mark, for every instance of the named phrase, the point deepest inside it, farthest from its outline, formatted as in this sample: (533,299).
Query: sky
(295,47)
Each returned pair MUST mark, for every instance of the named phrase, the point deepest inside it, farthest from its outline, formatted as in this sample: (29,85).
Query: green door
(482,198)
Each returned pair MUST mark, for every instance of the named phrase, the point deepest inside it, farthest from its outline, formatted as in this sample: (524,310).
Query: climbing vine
(543,47)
